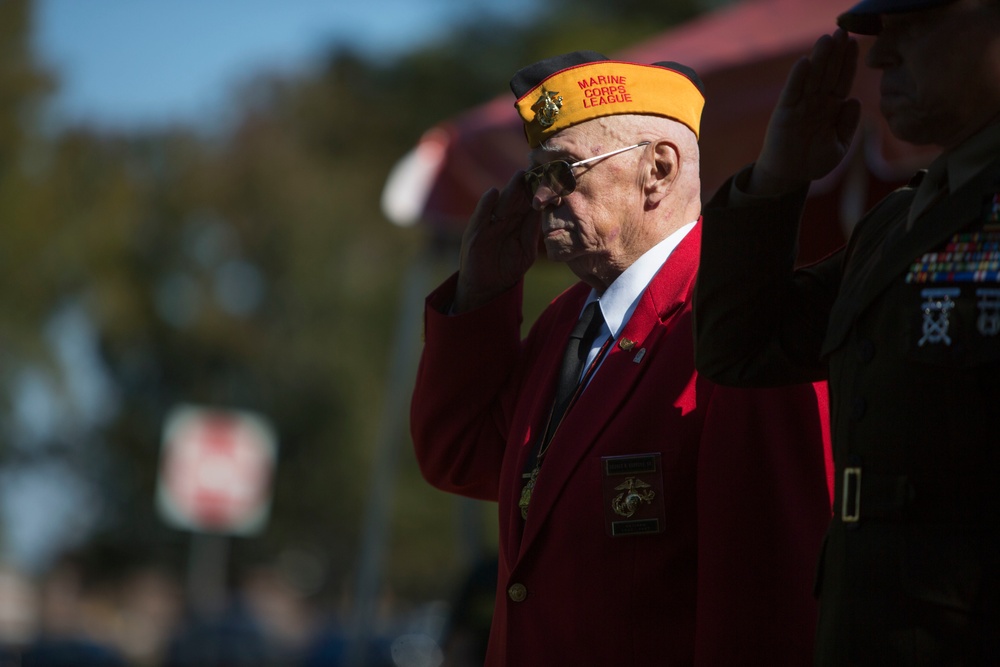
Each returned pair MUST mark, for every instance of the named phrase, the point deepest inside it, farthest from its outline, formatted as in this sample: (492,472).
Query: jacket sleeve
(757,320)
(459,409)
(764,497)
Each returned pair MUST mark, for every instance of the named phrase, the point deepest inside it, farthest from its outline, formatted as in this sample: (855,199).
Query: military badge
(547,107)
(969,257)
(988,301)
(633,495)
(633,492)
(938,304)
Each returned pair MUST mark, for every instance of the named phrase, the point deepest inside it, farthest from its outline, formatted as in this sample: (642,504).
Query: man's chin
(905,127)
(556,252)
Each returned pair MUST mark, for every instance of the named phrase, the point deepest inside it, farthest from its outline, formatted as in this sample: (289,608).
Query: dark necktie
(581,339)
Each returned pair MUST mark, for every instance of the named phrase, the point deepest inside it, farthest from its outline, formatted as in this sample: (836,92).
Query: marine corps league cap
(566,90)
(865,18)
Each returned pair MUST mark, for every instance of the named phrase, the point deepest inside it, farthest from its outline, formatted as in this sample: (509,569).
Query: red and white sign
(216,470)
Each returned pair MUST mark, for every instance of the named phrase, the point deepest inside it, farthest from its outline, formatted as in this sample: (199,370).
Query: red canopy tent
(743,53)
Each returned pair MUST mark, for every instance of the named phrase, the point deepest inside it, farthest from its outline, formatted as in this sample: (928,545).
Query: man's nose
(544,197)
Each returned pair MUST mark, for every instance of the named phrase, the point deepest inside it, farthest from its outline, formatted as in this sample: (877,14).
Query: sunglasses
(558,175)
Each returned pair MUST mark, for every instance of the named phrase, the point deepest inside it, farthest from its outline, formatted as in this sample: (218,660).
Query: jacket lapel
(615,381)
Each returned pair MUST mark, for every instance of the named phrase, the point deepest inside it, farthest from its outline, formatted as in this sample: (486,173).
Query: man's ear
(662,172)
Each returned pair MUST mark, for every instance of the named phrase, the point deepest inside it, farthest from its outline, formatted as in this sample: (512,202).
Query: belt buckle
(850,511)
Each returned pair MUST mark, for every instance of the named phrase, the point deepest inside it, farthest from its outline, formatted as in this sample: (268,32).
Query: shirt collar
(622,296)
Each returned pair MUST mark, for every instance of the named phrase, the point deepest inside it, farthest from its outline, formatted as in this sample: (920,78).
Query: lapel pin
(639,355)
(626,344)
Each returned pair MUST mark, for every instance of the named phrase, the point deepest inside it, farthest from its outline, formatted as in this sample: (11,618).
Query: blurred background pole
(470,527)
(390,434)
(207,574)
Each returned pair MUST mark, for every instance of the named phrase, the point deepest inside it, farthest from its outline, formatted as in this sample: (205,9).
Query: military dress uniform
(905,324)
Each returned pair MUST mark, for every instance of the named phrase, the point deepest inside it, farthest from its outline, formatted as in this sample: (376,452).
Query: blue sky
(137,63)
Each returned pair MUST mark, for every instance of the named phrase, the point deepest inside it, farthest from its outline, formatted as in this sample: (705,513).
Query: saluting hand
(814,121)
(499,245)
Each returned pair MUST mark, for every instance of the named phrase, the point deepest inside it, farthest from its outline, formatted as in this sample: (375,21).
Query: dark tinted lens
(556,175)
(533,178)
(561,178)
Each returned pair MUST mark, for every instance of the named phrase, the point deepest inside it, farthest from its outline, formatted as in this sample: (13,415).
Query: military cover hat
(572,88)
(865,18)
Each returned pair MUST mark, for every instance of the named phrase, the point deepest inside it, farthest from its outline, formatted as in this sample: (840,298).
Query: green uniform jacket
(905,326)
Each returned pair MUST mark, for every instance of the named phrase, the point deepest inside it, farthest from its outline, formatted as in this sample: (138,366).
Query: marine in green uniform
(904,322)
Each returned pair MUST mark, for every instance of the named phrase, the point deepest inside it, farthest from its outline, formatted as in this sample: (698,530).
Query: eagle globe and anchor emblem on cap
(547,107)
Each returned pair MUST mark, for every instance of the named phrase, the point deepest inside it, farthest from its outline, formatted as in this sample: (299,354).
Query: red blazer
(716,566)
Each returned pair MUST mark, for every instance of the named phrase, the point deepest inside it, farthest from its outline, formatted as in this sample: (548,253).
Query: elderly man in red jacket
(647,516)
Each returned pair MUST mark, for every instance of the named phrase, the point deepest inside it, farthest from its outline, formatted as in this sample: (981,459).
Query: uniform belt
(868,494)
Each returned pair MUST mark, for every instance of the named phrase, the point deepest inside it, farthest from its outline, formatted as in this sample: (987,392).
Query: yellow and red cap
(566,90)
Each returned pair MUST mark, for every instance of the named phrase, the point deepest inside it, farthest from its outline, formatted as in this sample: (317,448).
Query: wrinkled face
(940,71)
(592,228)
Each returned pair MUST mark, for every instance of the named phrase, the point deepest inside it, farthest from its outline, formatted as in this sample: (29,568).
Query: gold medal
(526,491)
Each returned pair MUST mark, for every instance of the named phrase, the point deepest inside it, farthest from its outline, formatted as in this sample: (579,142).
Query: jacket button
(517,592)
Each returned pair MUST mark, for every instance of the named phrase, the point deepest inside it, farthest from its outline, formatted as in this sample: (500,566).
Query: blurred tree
(23,89)
(251,268)
(657,14)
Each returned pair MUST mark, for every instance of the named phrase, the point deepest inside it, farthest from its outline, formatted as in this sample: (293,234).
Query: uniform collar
(954,168)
